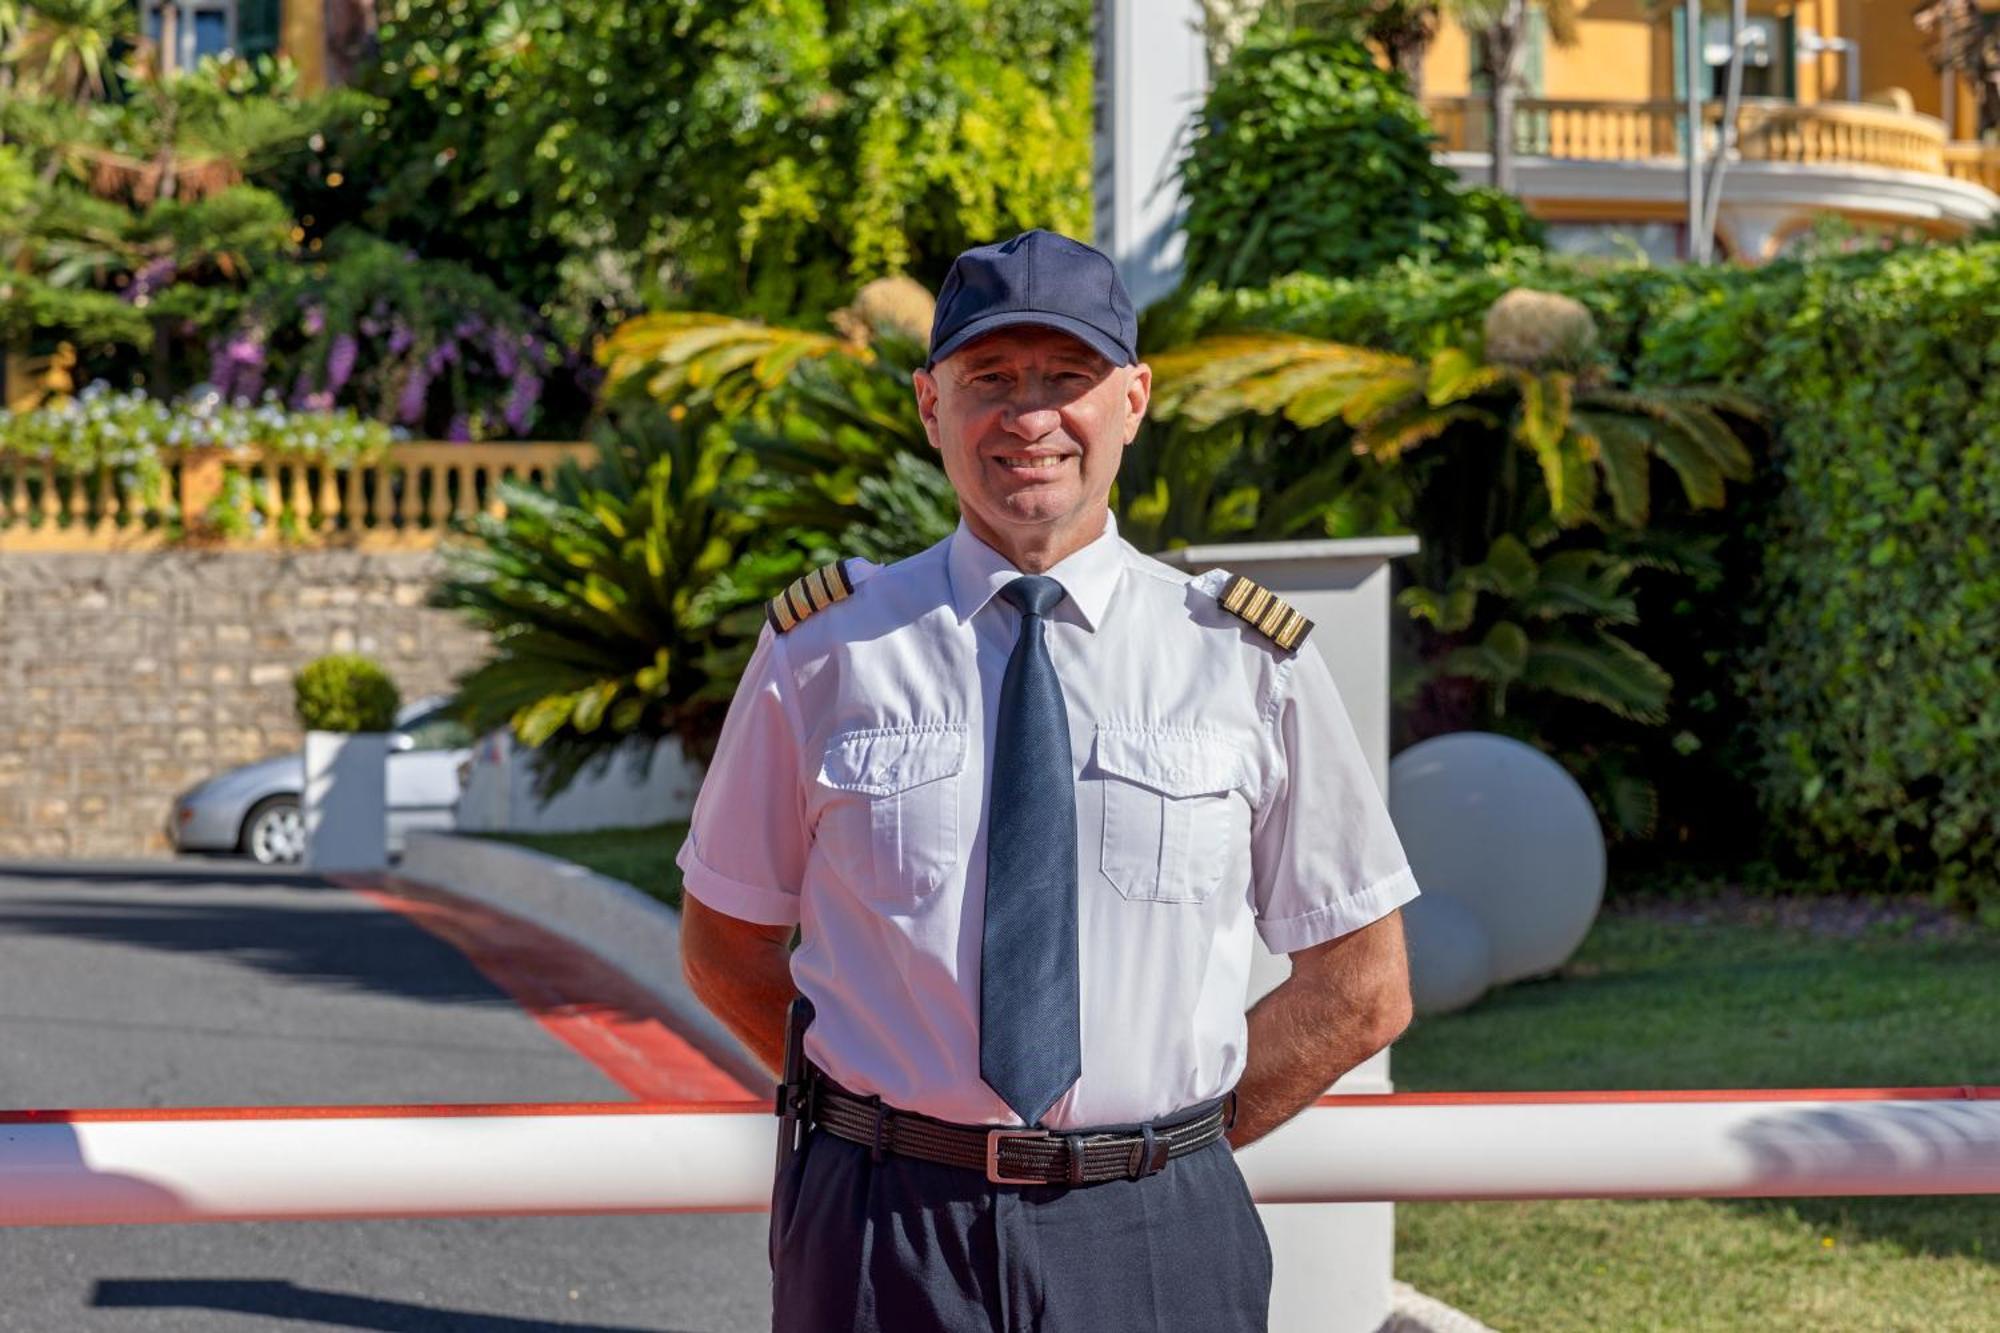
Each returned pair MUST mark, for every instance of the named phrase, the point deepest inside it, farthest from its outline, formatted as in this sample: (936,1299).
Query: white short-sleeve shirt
(1219,789)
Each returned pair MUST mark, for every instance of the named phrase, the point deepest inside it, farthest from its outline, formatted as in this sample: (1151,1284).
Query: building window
(247,28)
(1767,56)
(201,28)
(1770,55)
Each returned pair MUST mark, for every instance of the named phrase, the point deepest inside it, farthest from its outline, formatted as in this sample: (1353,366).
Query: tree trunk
(1505,43)
(1405,32)
(350,37)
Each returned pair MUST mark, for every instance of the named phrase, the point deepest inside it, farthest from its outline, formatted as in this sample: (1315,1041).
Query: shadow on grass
(1941,1226)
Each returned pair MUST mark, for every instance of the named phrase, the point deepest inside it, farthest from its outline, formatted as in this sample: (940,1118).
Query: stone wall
(125,679)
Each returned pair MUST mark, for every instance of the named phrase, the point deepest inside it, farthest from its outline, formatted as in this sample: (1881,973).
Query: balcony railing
(1975,162)
(404,500)
(1768,130)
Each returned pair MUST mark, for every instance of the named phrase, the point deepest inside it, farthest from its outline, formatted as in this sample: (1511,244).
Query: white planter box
(346,802)
(1331,1261)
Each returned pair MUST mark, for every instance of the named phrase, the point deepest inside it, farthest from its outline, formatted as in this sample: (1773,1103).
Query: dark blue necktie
(1030,1049)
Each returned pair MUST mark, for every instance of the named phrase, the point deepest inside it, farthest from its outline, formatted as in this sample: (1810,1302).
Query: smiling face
(1031,424)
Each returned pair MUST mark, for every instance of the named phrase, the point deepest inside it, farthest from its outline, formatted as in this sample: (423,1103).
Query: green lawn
(640,856)
(1653,1003)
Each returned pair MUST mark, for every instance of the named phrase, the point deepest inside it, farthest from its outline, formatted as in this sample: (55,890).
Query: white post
(1333,1262)
(346,804)
(1694,69)
(1152,72)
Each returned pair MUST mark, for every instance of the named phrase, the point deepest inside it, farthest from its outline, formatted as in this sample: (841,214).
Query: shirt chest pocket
(892,820)
(1173,825)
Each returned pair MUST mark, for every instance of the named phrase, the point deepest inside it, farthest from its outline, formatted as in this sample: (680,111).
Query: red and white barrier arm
(68,1167)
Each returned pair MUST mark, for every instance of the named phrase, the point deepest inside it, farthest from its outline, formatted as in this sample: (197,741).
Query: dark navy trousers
(908,1246)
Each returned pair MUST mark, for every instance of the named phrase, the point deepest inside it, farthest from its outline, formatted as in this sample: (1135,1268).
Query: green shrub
(345,692)
(614,156)
(1869,669)
(1308,157)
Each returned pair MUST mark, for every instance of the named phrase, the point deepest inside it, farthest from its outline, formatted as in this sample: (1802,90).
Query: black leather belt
(1011,1156)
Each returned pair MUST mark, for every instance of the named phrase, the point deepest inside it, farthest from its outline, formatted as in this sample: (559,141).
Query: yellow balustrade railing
(406,499)
(1975,162)
(1767,130)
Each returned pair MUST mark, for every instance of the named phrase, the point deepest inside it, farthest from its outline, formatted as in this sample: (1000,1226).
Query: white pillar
(1332,1261)
(1152,72)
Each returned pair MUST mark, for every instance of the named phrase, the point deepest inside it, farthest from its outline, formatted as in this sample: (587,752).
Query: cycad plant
(624,601)
(62,48)
(1536,382)
(1526,572)
(607,596)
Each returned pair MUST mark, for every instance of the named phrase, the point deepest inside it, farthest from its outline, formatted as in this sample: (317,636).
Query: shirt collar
(1089,576)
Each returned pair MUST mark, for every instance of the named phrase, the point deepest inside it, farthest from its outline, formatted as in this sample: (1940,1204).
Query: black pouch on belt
(795,1092)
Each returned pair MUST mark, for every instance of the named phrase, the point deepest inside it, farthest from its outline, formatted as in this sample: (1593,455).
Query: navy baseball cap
(1038,277)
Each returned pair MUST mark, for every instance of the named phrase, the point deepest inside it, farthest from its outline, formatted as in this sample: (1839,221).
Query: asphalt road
(203,984)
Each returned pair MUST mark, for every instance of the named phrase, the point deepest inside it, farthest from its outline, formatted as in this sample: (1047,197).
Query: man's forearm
(1344,1001)
(1297,1049)
(746,984)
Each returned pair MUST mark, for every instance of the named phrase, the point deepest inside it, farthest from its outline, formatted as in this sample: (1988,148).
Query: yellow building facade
(1842,114)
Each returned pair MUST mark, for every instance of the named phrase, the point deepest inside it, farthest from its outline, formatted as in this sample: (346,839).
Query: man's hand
(1345,1000)
(743,973)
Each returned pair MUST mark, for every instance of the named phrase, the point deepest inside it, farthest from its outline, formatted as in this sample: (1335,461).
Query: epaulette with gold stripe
(1270,614)
(809,593)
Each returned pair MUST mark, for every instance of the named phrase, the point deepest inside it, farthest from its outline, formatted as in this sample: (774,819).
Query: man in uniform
(1025,796)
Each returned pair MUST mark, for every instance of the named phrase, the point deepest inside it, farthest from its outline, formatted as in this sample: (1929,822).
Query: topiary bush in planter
(345,692)
(347,703)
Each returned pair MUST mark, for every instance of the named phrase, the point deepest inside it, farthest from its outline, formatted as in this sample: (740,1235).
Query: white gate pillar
(1152,73)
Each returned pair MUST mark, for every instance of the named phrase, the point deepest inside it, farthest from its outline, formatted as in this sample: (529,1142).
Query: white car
(254,809)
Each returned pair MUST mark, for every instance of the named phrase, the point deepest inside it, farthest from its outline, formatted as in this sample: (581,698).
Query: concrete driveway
(205,984)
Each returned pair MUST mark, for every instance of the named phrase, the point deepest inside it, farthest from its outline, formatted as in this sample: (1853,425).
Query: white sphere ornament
(1501,828)
(1451,962)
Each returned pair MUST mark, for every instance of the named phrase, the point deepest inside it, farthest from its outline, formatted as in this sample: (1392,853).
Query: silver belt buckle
(994,1138)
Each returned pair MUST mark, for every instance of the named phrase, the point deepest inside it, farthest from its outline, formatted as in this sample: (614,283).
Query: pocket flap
(1173,761)
(881,761)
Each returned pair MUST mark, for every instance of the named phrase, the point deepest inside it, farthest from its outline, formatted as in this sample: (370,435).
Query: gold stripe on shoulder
(1265,611)
(809,593)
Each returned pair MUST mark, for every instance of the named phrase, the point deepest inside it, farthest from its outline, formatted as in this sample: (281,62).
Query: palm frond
(1602,669)
(692,358)
(1308,380)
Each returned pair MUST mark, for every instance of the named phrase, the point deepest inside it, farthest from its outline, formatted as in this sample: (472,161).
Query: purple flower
(401,336)
(521,396)
(221,369)
(441,356)
(315,320)
(410,405)
(458,431)
(501,347)
(340,361)
(149,279)
(302,390)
